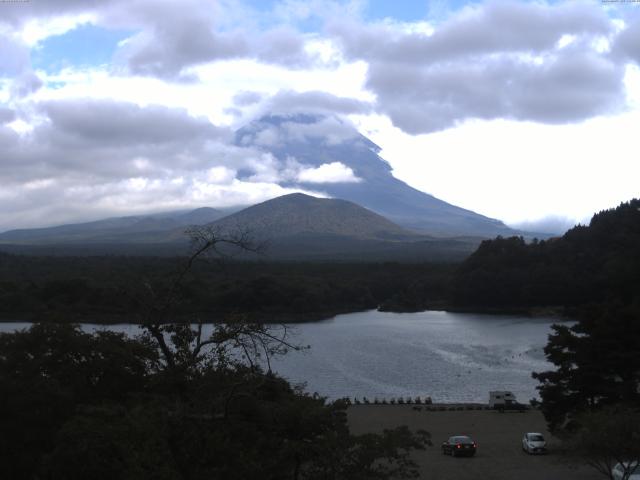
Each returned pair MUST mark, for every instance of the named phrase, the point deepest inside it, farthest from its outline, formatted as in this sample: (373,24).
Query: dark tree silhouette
(174,404)
(609,437)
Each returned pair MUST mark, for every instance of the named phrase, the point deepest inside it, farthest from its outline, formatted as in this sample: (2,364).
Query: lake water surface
(452,357)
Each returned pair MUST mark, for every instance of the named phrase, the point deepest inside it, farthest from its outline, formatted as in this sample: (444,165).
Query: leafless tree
(183,344)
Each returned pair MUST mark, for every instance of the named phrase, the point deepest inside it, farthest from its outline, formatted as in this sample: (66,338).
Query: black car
(459,445)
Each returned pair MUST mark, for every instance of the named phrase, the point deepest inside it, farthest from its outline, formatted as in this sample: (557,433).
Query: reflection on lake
(449,356)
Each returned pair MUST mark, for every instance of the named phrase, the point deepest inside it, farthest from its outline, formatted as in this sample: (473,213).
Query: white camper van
(504,400)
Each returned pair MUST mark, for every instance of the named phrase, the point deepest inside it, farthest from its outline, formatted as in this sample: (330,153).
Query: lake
(452,357)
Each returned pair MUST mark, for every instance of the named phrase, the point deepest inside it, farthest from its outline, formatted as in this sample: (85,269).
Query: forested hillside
(112,288)
(594,273)
(589,264)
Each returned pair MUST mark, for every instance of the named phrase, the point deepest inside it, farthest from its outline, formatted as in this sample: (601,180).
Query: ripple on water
(452,357)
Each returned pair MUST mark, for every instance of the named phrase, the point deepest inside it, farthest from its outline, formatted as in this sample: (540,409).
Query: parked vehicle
(618,471)
(503,400)
(534,443)
(459,445)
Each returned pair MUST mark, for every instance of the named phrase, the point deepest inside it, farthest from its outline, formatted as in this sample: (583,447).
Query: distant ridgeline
(594,264)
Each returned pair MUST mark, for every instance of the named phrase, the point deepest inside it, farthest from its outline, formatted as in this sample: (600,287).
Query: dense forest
(593,273)
(594,264)
(114,288)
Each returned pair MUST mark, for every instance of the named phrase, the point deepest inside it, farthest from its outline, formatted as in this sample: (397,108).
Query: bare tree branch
(180,343)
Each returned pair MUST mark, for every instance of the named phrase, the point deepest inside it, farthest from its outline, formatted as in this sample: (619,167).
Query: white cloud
(214,93)
(511,60)
(267,137)
(240,193)
(329,130)
(38,29)
(501,59)
(334,172)
(553,224)
(14,55)
(221,175)
(516,170)
(84,158)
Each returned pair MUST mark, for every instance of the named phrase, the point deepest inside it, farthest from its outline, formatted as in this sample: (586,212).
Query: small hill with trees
(598,263)
(299,214)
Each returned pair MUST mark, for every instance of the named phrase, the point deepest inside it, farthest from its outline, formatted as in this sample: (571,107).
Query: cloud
(17,14)
(246,98)
(104,121)
(25,84)
(169,39)
(571,87)
(104,140)
(296,11)
(312,113)
(497,26)
(560,62)
(46,203)
(275,130)
(86,158)
(14,55)
(627,44)
(551,224)
(334,172)
(174,37)
(6,115)
(290,172)
(500,60)
(166,48)
(289,101)
(283,46)
(330,130)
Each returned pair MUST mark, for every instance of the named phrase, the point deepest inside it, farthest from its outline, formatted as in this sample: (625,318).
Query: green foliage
(47,372)
(77,405)
(110,442)
(107,289)
(598,263)
(608,437)
(597,365)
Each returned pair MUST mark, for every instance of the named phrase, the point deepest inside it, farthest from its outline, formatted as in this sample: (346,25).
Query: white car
(534,443)
(618,471)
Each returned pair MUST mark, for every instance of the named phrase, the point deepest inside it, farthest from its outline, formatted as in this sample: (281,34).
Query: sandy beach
(498,435)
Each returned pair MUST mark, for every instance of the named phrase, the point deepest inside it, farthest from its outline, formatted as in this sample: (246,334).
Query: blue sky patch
(407,11)
(400,10)
(85,46)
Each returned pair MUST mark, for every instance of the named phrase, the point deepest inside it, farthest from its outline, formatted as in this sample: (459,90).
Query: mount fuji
(308,145)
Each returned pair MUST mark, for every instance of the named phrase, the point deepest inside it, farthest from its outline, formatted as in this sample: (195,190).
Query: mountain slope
(302,227)
(116,230)
(315,140)
(294,227)
(299,214)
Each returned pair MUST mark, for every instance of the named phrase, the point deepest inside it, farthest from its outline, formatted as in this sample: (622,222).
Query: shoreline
(210,317)
(276,317)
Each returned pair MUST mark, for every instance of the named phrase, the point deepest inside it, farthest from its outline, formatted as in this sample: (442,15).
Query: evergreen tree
(597,364)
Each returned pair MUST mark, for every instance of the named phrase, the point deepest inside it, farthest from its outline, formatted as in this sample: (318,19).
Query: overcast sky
(521,111)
